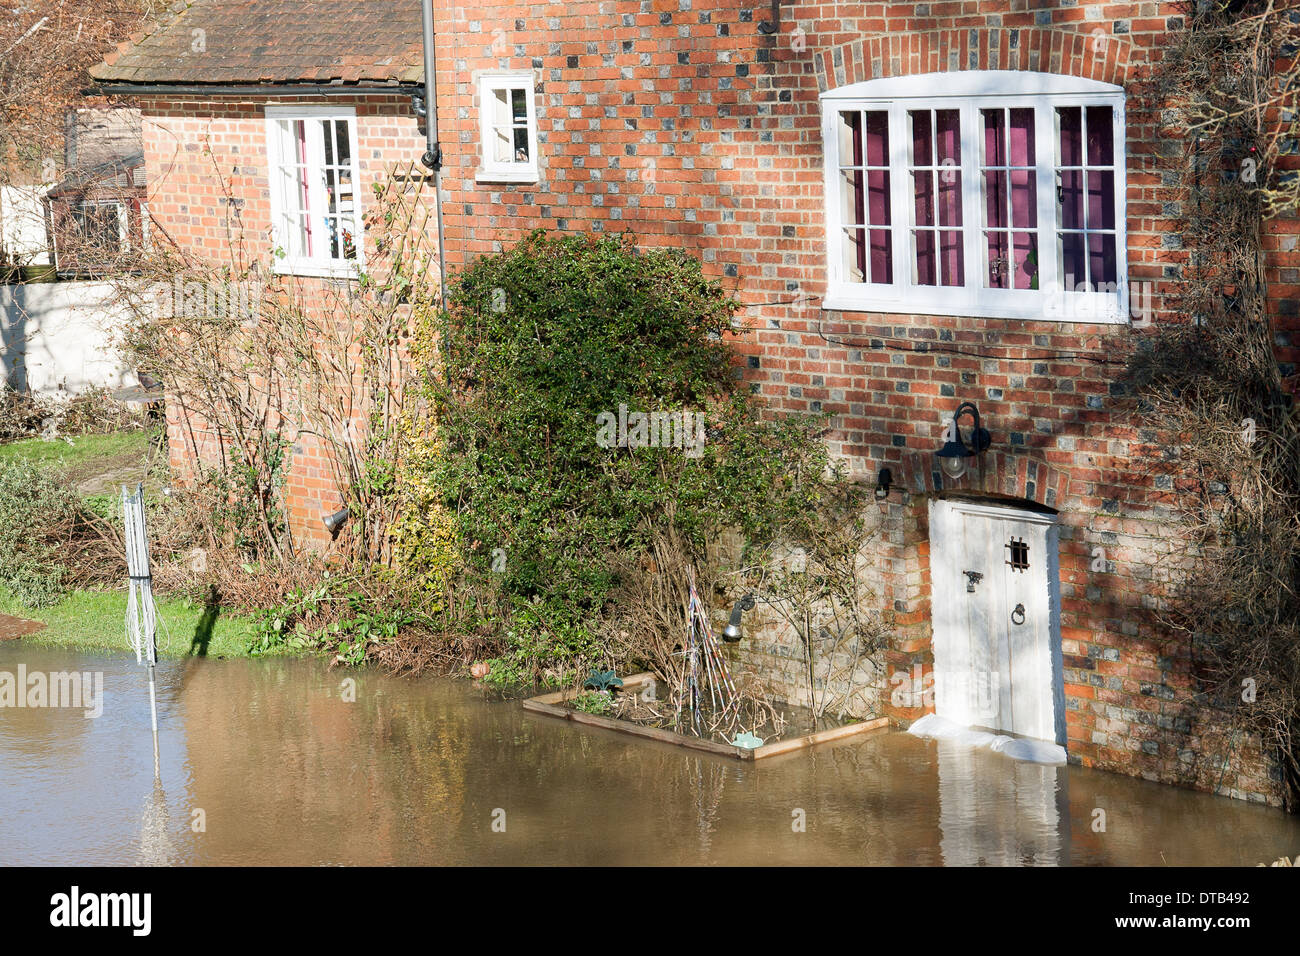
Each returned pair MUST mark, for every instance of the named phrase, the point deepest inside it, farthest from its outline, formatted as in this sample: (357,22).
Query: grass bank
(95,620)
(95,465)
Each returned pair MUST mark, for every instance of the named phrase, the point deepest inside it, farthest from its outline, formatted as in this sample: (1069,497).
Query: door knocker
(972,578)
(1020,611)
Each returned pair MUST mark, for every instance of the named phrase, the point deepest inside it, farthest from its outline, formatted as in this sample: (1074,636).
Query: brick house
(921,204)
(97,210)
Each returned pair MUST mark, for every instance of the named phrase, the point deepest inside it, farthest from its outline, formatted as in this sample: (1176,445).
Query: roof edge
(295,88)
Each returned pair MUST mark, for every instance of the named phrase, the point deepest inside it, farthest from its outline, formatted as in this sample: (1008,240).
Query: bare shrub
(1209,382)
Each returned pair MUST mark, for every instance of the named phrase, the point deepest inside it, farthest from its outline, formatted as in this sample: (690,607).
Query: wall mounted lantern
(884,480)
(731,633)
(333,522)
(955,454)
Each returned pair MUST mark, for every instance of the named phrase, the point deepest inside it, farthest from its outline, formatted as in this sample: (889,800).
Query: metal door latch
(972,578)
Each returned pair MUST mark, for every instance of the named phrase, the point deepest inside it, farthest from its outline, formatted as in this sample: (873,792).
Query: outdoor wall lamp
(731,633)
(955,454)
(884,480)
(335,521)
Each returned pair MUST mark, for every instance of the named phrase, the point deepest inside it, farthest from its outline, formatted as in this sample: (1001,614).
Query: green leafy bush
(39,514)
(336,614)
(593,702)
(537,343)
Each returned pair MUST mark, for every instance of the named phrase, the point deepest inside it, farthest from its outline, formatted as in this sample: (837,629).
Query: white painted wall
(58,337)
(22,224)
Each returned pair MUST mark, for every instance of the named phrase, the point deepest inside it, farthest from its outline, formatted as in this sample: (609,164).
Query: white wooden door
(995,589)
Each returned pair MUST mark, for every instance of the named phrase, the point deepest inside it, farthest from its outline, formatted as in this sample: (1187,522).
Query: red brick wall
(209,193)
(683,124)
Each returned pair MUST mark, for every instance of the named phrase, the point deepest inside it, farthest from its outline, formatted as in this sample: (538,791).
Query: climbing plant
(1226,91)
(535,373)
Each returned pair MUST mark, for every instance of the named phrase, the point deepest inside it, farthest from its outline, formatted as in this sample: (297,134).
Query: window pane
(500,106)
(1024,257)
(999,263)
(521,144)
(1073,267)
(948,123)
(1101,199)
(922,138)
(951,259)
(1101,261)
(854,255)
(878,197)
(343,134)
(923,188)
(1024,198)
(882,256)
(1071,140)
(949,197)
(1069,195)
(1022,137)
(850,139)
(502,150)
(853,208)
(331,191)
(995,199)
(878,138)
(995,137)
(924,272)
(519,106)
(1101,136)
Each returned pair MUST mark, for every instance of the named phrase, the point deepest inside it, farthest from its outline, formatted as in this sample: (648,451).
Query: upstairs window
(984,193)
(101,227)
(508,128)
(315,200)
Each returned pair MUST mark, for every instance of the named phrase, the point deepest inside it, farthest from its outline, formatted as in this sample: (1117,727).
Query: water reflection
(284,770)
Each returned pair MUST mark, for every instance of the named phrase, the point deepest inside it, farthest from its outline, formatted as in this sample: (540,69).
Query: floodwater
(273,766)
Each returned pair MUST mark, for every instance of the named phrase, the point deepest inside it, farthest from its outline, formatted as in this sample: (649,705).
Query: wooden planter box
(552,706)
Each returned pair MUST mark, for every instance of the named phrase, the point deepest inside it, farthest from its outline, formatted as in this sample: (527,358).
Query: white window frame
(969,92)
(123,222)
(506,172)
(317,265)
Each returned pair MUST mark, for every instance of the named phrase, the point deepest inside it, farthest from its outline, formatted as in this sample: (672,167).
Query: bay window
(983,193)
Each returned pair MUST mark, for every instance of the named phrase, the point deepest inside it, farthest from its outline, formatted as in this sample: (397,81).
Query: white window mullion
(972,194)
(1045,145)
(315,179)
(902,209)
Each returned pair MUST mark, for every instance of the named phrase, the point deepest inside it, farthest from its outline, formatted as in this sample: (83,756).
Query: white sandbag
(934,727)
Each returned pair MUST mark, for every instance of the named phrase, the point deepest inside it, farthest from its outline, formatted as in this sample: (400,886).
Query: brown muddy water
(281,770)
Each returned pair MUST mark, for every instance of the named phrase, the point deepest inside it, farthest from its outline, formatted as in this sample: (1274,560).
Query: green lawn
(98,465)
(78,450)
(96,619)
(94,464)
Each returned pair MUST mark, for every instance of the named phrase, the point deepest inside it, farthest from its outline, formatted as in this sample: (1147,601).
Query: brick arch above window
(1090,53)
(1000,472)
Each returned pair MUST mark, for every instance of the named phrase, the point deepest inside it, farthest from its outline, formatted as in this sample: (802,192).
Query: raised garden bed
(556,705)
